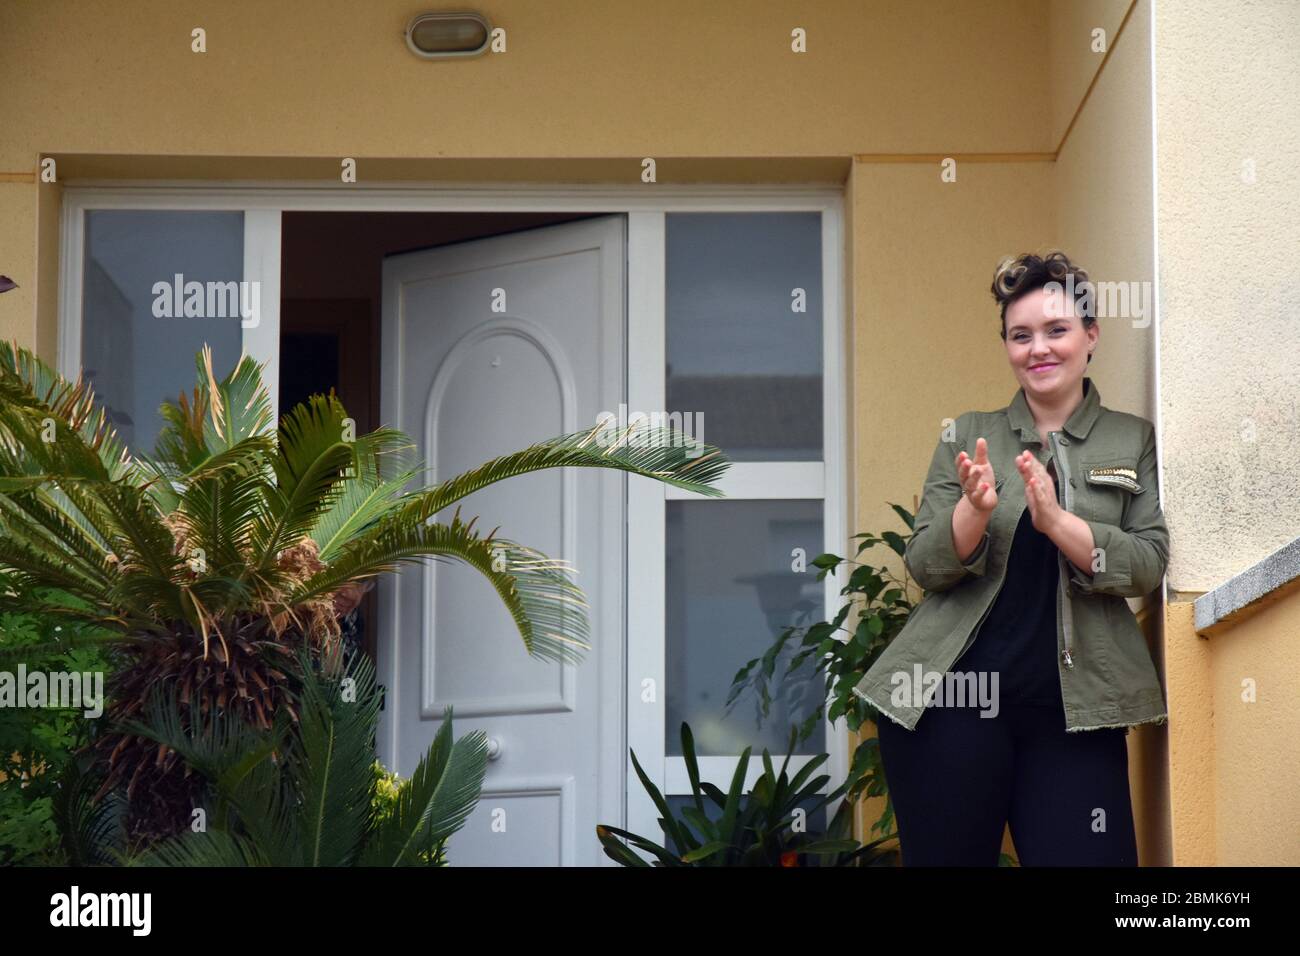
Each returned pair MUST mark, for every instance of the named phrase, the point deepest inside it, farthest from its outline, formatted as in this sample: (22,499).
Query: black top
(1018,638)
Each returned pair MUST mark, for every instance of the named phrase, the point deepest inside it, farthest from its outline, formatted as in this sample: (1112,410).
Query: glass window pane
(731,590)
(738,351)
(140,333)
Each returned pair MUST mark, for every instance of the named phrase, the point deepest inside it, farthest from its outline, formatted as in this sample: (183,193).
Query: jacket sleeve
(930,555)
(1136,554)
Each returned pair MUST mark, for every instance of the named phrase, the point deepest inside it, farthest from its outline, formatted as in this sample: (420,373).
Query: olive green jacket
(1105,463)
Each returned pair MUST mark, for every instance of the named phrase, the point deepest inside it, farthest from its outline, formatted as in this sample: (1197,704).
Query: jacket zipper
(1067,615)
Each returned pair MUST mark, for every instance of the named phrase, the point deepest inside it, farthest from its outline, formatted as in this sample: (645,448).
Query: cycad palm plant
(238,543)
(303,792)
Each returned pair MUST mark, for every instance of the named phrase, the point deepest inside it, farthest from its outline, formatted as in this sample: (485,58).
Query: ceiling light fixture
(438,36)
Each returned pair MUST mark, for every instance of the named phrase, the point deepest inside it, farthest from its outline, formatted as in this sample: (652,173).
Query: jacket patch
(1119,477)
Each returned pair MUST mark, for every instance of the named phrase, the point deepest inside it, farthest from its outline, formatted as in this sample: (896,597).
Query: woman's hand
(976,477)
(1040,493)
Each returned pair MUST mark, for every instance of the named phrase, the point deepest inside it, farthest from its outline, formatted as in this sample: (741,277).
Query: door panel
(488,347)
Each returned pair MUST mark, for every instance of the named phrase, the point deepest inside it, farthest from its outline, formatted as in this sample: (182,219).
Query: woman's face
(1047,344)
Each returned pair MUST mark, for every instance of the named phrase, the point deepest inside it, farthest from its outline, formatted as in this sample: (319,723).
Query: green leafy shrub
(754,829)
(38,745)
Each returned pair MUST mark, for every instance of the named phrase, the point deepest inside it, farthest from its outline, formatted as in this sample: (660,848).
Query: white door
(489,346)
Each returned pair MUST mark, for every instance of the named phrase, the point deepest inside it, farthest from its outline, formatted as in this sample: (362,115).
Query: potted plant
(753,829)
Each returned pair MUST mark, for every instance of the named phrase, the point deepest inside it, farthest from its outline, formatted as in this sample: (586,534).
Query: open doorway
(330,305)
(478,336)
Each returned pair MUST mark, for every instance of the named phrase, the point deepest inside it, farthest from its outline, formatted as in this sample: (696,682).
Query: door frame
(645,208)
(404,628)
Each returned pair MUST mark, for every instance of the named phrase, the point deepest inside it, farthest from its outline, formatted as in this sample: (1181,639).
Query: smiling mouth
(1044,367)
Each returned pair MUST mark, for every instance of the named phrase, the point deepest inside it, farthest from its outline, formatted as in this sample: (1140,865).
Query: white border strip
(764,480)
(646,532)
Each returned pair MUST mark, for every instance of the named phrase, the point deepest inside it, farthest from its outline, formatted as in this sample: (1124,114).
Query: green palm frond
(58,501)
(33,564)
(209,848)
(238,761)
(330,764)
(310,802)
(218,513)
(548,608)
(88,829)
(311,458)
(249,455)
(47,519)
(239,405)
(37,445)
(143,545)
(221,748)
(27,382)
(435,802)
(663,454)
(111,512)
(217,417)
(382,467)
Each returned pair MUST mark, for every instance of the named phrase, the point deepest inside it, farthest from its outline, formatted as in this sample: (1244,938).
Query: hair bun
(1018,275)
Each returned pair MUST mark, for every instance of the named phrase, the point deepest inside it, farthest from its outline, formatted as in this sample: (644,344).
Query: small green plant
(754,829)
(310,792)
(844,649)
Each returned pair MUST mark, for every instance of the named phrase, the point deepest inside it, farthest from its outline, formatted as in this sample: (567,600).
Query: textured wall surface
(1230,327)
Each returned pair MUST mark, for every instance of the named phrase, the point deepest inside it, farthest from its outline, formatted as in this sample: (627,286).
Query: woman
(1027,541)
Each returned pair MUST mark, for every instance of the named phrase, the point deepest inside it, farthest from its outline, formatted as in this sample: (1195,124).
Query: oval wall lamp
(438,36)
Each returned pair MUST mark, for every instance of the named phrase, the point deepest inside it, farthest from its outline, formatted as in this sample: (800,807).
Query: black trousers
(959,778)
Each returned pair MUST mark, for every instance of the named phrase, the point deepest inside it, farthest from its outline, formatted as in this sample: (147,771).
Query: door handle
(494,748)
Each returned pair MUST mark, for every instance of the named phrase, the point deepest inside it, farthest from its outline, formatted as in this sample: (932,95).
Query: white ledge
(1255,584)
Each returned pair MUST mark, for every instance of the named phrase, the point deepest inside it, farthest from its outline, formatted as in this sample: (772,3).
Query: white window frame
(647,500)
(645,209)
(261,264)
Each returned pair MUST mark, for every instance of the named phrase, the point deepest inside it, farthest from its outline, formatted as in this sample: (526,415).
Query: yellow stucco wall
(1233,792)
(886,89)
(623,80)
